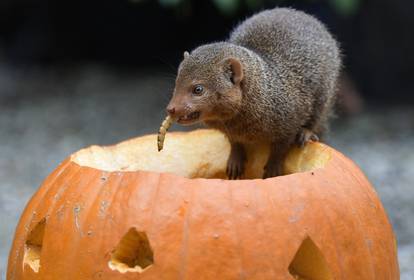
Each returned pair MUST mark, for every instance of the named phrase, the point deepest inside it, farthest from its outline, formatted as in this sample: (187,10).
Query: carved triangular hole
(33,246)
(133,253)
(309,263)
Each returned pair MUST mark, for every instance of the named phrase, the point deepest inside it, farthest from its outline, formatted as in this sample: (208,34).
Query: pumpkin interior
(309,263)
(133,253)
(33,246)
(199,154)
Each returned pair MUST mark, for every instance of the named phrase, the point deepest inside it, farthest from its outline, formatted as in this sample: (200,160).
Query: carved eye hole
(198,90)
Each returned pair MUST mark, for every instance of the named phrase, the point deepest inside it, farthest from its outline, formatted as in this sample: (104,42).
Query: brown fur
(273,80)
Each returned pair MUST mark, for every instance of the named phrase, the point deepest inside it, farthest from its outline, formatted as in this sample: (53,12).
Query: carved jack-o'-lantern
(129,212)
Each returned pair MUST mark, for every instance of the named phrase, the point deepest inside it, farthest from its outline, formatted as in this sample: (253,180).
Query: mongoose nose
(170,110)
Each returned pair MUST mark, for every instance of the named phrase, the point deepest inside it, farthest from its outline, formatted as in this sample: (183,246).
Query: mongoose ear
(186,54)
(236,69)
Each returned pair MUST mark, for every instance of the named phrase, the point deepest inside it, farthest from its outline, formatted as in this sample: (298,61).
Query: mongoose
(272,81)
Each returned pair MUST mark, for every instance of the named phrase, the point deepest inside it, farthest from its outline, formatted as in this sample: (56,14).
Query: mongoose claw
(305,136)
(236,162)
(235,169)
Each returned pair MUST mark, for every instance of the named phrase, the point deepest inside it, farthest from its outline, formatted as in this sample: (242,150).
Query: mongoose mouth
(189,118)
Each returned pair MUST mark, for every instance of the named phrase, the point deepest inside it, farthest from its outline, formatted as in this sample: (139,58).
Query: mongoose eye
(198,89)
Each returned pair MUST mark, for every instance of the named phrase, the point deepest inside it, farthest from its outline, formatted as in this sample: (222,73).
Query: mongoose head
(208,85)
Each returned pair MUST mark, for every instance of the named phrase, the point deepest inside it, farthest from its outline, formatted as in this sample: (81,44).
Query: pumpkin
(129,212)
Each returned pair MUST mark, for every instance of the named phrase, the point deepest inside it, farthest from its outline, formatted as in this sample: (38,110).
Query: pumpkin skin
(197,228)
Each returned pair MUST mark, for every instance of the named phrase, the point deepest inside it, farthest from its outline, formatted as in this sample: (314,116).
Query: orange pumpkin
(129,212)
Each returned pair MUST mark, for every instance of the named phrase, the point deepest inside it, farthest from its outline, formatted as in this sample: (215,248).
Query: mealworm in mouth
(166,124)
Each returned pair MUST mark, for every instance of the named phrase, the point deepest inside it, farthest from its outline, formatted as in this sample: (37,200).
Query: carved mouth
(190,118)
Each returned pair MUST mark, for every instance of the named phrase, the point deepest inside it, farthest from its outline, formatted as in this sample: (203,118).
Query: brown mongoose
(272,81)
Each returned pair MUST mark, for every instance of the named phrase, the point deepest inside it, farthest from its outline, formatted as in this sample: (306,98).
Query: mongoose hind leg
(304,136)
(316,126)
(236,161)
(274,164)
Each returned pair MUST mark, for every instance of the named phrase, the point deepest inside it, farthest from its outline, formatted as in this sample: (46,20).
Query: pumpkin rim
(295,164)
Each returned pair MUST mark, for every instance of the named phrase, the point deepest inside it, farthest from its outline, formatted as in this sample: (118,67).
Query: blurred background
(76,73)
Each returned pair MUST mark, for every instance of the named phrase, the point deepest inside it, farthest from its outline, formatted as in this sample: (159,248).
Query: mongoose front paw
(305,136)
(235,169)
(236,162)
(273,169)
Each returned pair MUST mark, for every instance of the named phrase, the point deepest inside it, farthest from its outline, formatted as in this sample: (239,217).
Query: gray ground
(92,105)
